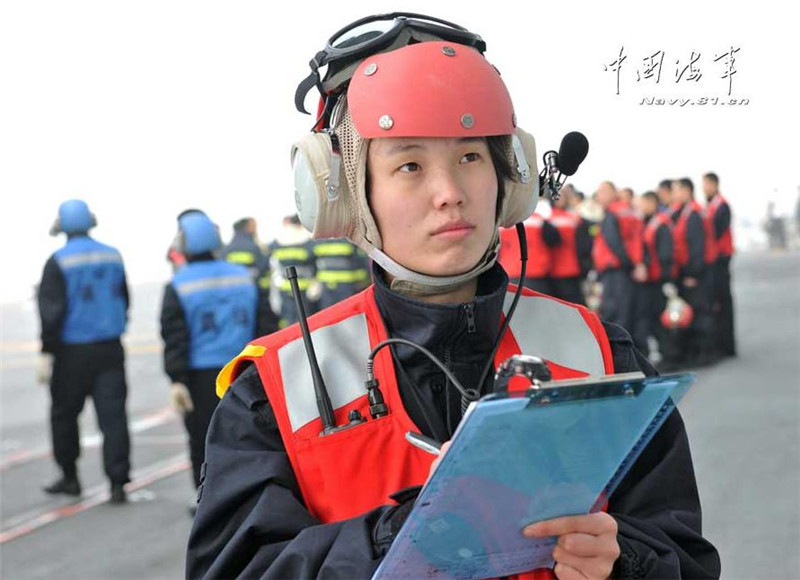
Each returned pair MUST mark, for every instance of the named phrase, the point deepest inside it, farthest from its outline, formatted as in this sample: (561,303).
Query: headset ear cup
(521,198)
(324,208)
(55,229)
(93,222)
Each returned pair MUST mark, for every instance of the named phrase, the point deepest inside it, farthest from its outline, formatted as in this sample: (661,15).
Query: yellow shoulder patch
(225,376)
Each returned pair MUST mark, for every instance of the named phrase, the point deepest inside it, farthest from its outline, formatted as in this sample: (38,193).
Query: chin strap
(413,283)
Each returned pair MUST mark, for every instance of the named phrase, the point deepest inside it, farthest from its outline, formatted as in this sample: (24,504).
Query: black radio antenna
(323,400)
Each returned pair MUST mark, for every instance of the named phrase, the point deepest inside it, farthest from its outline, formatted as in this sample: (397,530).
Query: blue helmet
(74,217)
(200,234)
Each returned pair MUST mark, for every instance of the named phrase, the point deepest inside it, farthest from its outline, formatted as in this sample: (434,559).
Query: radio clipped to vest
(377,404)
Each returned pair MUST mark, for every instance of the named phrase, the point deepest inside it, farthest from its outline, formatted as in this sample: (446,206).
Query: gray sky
(146,108)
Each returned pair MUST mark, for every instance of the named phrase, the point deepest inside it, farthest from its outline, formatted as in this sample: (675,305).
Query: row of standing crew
(640,252)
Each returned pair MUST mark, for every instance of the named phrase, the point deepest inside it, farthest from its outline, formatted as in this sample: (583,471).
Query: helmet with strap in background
(464,97)
(74,217)
(198,234)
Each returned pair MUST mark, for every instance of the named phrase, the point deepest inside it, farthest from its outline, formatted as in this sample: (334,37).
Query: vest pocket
(350,472)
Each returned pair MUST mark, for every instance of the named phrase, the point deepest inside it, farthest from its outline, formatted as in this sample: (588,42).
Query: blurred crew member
(541,237)
(342,270)
(175,257)
(293,247)
(719,212)
(664,193)
(209,312)
(83,305)
(658,258)
(694,251)
(566,271)
(617,254)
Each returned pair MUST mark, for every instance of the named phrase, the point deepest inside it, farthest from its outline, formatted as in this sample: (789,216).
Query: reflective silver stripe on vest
(546,328)
(342,350)
(211,283)
(89,258)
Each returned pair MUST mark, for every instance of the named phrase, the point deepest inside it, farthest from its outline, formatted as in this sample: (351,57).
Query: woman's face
(433,200)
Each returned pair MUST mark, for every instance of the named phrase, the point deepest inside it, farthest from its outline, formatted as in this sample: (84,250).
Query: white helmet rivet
(386,122)
(467,121)
(371,69)
(448,51)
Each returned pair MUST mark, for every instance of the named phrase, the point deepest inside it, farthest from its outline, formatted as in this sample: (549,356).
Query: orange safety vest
(681,242)
(630,229)
(654,267)
(725,243)
(565,256)
(570,338)
(539,255)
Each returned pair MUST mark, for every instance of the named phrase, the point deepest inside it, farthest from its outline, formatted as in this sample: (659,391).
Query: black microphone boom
(573,150)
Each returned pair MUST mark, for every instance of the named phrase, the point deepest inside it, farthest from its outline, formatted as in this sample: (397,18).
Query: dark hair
(711,176)
(688,184)
(498,146)
(665,183)
(241,225)
(651,195)
(190,210)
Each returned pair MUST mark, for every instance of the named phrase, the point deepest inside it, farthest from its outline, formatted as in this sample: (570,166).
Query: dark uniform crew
(342,270)
(210,310)
(617,254)
(719,212)
(243,249)
(83,305)
(694,253)
(658,257)
(294,248)
(542,237)
(281,501)
(566,273)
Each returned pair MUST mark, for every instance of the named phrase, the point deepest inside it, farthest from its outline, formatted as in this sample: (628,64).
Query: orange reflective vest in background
(725,243)
(655,271)
(630,230)
(355,470)
(539,255)
(682,242)
(565,256)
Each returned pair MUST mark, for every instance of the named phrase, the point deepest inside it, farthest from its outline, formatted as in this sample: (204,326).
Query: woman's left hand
(587,545)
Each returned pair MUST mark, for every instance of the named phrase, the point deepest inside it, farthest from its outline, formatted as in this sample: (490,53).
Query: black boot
(68,485)
(118,494)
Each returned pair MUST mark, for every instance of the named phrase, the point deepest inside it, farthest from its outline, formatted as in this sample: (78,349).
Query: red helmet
(677,314)
(455,93)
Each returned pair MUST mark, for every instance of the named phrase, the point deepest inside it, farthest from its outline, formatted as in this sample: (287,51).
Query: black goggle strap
(310,82)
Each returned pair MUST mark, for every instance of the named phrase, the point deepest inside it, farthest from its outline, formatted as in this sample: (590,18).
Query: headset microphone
(558,166)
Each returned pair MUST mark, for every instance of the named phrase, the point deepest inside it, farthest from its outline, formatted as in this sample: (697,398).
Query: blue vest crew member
(210,310)
(420,165)
(83,305)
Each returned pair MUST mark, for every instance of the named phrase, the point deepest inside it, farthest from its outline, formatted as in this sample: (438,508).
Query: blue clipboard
(519,458)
